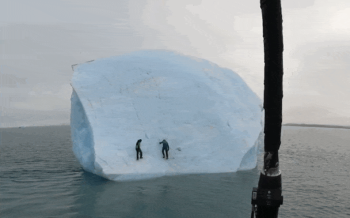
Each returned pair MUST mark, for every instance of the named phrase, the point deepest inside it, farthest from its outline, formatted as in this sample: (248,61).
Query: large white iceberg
(209,116)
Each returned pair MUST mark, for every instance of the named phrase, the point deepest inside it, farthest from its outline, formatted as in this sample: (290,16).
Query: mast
(267,198)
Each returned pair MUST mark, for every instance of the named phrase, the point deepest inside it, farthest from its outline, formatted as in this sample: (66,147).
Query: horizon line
(286,124)
(317,125)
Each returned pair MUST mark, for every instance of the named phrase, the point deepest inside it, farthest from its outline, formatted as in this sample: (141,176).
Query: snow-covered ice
(210,117)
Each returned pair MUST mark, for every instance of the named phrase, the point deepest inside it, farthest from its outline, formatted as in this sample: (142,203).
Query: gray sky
(40,40)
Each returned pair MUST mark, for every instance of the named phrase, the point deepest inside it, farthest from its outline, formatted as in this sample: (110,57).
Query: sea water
(40,177)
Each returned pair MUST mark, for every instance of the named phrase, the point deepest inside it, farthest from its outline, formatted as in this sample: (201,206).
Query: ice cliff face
(209,116)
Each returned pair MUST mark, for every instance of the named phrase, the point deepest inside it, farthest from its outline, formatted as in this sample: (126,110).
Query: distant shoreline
(317,126)
(23,127)
(287,124)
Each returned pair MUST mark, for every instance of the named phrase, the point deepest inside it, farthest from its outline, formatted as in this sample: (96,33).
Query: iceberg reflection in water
(41,176)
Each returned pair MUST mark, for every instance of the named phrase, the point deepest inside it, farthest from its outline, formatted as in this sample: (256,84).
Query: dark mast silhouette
(267,198)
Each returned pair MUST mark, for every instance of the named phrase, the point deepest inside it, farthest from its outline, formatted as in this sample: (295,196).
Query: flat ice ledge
(209,116)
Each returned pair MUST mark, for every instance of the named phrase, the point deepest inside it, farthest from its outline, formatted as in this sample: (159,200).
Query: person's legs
(140,153)
(166,151)
(163,152)
(137,154)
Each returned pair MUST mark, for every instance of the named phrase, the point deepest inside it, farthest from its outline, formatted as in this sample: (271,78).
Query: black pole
(267,198)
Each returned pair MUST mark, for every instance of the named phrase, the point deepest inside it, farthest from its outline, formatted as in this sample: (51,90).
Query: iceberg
(211,119)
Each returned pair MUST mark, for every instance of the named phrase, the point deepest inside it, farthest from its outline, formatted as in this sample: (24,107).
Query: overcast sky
(41,39)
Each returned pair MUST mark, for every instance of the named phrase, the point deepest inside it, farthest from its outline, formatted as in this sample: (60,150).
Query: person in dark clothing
(165,148)
(138,149)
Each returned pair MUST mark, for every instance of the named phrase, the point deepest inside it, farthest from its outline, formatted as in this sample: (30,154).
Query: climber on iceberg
(165,148)
(138,149)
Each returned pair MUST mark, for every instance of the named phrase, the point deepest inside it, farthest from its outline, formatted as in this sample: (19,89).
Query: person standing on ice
(138,149)
(165,148)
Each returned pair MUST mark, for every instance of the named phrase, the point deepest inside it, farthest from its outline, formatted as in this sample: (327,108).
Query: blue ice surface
(208,114)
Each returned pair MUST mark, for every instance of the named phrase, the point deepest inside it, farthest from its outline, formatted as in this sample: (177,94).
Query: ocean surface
(40,177)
